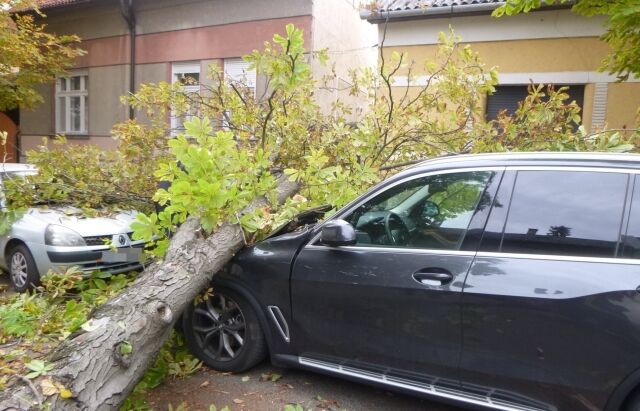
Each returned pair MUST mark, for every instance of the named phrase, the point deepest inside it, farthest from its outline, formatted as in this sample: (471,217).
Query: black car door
(391,302)
(549,303)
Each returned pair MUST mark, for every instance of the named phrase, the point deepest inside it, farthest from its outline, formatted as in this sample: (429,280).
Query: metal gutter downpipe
(381,17)
(126,8)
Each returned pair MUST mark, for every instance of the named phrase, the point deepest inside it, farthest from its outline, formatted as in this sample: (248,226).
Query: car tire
(23,272)
(232,342)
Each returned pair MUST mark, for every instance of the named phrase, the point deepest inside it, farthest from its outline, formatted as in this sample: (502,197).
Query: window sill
(70,136)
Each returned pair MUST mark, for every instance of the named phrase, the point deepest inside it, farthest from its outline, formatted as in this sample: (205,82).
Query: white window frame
(191,67)
(67,94)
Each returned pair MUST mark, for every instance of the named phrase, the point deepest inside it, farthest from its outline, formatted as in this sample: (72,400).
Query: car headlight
(62,236)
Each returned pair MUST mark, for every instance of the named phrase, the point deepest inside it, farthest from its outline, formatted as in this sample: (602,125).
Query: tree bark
(91,364)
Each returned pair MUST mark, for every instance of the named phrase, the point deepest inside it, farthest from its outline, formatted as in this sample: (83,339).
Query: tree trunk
(91,364)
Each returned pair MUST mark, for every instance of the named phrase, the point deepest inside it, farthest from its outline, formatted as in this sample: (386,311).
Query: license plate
(122,255)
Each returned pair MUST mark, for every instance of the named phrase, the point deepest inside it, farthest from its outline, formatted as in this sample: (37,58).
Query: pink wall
(223,41)
(106,51)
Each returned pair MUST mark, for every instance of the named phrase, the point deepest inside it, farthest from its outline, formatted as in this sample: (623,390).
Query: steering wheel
(399,235)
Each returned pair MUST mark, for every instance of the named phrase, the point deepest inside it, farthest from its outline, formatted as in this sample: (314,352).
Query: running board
(429,386)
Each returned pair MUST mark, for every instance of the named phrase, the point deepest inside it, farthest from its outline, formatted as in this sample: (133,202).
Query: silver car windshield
(7,175)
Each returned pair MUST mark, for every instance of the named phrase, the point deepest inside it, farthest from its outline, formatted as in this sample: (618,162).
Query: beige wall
(103,19)
(89,21)
(168,15)
(152,73)
(337,26)
(39,120)
(33,142)
(106,85)
(559,23)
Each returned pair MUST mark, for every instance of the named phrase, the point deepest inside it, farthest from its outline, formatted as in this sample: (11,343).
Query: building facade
(547,46)
(131,42)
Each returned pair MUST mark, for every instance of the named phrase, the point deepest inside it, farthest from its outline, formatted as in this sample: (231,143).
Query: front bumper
(89,258)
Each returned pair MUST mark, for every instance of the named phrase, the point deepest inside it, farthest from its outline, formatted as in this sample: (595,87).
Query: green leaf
(125,347)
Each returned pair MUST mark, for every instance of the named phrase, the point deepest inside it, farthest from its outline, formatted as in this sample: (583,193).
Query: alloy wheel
(18,269)
(219,327)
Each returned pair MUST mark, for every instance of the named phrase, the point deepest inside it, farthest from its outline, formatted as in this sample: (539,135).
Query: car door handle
(435,277)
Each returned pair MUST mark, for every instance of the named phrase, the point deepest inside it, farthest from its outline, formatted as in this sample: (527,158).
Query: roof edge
(375,17)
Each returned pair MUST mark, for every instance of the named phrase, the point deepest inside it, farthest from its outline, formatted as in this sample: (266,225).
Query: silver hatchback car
(56,239)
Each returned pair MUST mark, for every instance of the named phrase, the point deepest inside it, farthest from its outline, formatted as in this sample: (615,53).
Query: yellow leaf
(65,393)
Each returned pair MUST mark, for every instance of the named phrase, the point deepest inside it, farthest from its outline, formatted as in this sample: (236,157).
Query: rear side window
(565,213)
(631,239)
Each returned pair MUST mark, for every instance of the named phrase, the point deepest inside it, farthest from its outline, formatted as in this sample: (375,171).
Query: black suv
(505,281)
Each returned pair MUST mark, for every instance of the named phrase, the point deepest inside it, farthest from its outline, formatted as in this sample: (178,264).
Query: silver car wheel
(220,327)
(18,269)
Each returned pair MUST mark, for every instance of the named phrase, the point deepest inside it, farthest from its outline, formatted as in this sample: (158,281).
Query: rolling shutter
(508,97)
(238,70)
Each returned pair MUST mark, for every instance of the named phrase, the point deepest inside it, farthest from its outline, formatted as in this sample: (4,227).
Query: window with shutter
(508,97)
(188,75)
(237,70)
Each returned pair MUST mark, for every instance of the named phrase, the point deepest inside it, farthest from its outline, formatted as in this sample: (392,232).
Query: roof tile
(47,4)
(394,5)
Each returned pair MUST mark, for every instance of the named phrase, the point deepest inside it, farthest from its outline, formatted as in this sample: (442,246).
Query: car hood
(74,219)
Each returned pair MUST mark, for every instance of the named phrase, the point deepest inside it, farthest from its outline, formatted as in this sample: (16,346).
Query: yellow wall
(580,54)
(623,101)
(522,56)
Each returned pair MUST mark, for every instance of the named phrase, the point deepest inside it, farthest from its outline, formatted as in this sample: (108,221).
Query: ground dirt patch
(255,391)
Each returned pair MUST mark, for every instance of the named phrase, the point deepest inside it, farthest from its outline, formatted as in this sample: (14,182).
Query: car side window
(572,213)
(431,212)
(631,236)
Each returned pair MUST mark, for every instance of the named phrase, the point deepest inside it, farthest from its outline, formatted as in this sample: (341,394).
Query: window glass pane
(75,83)
(631,239)
(86,114)
(62,115)
(188,79)
(565,213)
(75,114)
(62,84)
(86,83)
(178,124)
(428,212)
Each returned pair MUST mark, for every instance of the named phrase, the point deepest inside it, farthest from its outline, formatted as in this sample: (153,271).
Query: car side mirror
(337,233)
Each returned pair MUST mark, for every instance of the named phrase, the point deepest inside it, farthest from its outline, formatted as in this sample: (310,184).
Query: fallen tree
(100,363)
(235,179)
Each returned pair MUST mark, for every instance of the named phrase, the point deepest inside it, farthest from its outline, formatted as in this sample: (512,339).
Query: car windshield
(10,175)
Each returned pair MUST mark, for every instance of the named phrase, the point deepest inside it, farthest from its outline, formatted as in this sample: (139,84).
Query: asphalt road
(249,391)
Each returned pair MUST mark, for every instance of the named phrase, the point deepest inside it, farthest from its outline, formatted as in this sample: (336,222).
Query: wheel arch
(622,392)
(13,242)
